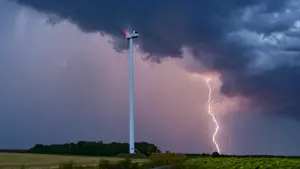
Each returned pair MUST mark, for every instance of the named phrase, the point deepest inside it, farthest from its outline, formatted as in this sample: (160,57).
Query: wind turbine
(130,37)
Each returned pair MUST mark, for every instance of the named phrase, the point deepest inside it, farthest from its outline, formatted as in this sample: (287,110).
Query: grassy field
(37,161)
(16,160)
(241,163)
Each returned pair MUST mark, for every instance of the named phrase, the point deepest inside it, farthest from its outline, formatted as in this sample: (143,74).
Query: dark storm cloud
(170,24)
(250,42)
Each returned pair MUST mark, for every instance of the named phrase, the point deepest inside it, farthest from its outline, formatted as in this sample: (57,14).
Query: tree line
(90,148)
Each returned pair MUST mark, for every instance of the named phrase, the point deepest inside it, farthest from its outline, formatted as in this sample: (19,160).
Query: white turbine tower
(130,37)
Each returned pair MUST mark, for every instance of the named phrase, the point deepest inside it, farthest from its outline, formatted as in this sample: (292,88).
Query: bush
(128,164)
(124,164)
(158,159)
(126,155)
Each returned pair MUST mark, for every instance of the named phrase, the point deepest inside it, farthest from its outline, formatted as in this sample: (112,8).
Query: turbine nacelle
(132,35)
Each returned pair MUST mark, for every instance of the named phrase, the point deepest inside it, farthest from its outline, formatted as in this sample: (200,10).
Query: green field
(39,161)
(16,160)
(241,163)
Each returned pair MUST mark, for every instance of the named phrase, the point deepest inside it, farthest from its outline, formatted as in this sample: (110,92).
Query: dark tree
(94,148)
(215,154)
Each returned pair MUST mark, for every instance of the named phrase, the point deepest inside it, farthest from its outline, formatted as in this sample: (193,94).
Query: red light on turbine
(125,32)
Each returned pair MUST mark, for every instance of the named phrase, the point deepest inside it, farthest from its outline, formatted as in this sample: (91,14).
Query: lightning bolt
(209,111)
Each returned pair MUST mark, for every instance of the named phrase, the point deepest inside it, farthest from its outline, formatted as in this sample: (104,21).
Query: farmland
(16,160)
(40,161)
(238,163)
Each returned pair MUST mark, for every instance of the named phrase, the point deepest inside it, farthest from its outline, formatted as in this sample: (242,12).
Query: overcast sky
(66,82)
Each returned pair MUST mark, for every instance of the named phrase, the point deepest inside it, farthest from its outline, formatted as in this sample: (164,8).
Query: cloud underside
(253,44)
